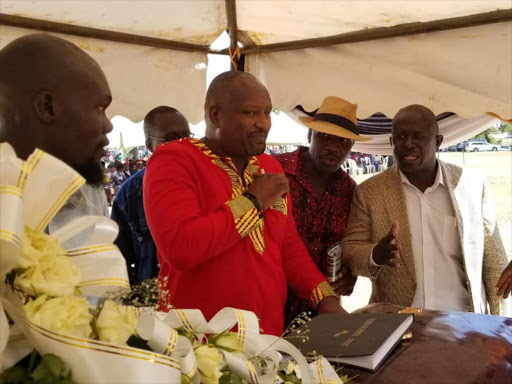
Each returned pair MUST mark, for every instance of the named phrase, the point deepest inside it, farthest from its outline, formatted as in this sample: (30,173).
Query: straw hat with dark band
(336,117)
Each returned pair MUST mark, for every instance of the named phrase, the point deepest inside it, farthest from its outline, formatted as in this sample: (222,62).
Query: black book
(362,340)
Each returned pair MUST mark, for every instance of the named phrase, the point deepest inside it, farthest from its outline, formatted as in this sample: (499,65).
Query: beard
(92,172)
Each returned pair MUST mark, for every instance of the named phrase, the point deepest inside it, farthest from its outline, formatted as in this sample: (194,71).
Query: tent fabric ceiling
(201,22)
(463,71)
(197,22)
(467,71)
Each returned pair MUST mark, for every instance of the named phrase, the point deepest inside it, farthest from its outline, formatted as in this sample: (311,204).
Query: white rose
(52,275)
(229,342)
(36,245)
(209,363)
(67,315)
(114,326)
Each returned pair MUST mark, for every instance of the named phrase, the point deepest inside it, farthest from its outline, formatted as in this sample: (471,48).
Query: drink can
(333,262)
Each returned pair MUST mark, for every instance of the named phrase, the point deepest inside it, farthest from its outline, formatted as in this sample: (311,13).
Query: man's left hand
(344,286)
(330,304)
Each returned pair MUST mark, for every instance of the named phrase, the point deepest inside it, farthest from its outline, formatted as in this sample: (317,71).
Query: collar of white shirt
(439,180)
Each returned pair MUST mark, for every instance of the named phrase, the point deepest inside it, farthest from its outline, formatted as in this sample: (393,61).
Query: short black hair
(149,120)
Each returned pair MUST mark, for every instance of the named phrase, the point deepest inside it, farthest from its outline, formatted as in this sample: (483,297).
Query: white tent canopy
(466,70)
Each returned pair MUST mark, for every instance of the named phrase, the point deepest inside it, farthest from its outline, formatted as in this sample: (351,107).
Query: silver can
(333,262)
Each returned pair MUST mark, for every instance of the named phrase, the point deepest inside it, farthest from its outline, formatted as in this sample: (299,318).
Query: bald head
(56,96)
(39,61)
(421,113)
(237,115)
(224,86)
(164,124)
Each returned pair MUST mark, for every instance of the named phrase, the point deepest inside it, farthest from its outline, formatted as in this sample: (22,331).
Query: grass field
(496,167)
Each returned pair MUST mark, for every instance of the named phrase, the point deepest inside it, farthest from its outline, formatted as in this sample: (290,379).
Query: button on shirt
(440,276)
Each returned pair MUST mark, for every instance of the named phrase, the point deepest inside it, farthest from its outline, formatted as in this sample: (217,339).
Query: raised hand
(387,251)
(268,188)
(504,284)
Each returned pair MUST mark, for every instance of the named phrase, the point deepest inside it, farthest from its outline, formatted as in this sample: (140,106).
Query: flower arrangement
(45,281)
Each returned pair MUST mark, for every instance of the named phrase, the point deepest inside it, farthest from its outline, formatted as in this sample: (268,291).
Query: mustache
(331,154)
(259,134)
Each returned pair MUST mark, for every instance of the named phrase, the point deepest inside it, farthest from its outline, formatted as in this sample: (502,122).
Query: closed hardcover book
(361,340)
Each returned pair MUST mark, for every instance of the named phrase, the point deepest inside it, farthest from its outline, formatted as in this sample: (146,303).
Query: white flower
(209,363)
(37,245)
(47,268)
(114,326)
(67,315)
(229,342)
(52,275)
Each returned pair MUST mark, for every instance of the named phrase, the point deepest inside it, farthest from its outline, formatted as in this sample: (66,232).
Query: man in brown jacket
(425,231)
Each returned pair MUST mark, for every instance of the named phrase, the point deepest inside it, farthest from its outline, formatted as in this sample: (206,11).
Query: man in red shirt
(220,214)
(321,191)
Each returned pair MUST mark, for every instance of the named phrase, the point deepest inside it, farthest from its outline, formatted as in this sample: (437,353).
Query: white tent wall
(142,78)
(466,71)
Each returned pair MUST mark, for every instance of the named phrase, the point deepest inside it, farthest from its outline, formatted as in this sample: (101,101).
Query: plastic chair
(353,169)
(384,165)
(370,168)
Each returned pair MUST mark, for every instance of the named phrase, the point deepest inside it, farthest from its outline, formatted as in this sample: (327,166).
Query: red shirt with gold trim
(213,246)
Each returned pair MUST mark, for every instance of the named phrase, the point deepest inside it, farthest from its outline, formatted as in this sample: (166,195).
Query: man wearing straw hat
(322,192)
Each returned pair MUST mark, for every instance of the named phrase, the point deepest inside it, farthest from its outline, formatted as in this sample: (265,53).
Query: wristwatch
(253,199)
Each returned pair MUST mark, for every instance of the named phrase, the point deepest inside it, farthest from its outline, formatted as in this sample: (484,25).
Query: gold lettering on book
(341,333)
(347,342)
(363,327)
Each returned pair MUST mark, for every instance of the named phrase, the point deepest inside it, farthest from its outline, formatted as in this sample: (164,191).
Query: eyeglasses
(173,136)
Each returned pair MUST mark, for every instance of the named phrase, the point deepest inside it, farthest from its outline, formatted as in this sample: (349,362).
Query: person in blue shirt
(161,125)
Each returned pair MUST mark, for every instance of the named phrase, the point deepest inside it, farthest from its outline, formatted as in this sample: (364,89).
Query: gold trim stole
(247,220)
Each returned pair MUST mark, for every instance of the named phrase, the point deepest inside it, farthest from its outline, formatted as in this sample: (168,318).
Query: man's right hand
(268,188)
(387,251)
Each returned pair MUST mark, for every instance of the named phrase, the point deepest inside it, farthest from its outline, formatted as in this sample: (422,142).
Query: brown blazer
(380,200)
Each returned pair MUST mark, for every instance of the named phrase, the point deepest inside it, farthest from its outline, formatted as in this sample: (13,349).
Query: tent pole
(235,53)
(101,34)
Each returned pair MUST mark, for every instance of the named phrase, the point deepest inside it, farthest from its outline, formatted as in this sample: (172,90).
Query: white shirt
(88,200)
(440,277)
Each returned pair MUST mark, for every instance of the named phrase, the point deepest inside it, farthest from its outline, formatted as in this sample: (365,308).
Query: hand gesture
(504,284)
(344,286)
(387,252)
(268,188)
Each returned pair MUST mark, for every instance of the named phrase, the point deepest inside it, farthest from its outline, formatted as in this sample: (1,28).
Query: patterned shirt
(320,223)
(215,250)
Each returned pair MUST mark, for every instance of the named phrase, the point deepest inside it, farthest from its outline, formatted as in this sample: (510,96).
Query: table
(446,348)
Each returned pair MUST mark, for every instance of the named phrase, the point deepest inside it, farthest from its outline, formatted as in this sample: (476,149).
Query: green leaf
(189,335)
(41,372)
(54,364)
(13,375)
(185,379)
(229,377)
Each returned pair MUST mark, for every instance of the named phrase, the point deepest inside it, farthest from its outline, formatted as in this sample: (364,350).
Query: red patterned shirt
(320,223)
(214,249)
